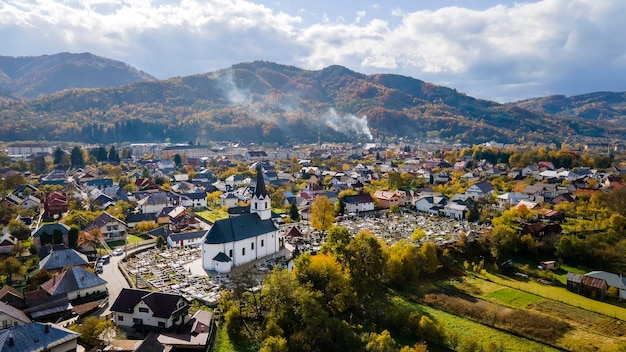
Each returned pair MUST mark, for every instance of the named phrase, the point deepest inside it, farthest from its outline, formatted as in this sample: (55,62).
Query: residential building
(142,310)
(38,337)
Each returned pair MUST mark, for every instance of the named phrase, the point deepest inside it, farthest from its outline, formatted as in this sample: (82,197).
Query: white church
(244,238)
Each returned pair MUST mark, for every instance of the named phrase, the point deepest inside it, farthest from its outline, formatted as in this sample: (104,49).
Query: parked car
(105,259)
(118,251)
(99,268)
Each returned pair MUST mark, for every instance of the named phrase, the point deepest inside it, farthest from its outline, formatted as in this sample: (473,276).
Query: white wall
(270,246)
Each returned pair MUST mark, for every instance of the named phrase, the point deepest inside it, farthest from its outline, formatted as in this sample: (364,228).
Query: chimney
(46,328)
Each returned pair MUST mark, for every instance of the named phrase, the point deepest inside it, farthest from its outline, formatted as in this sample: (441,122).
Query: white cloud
(502,52)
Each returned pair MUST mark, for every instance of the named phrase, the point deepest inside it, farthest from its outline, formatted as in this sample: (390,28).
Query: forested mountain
(592,106)
(267,102)
(30,77)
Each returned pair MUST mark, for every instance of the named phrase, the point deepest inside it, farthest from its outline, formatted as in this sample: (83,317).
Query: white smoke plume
(347,123)
(234,94)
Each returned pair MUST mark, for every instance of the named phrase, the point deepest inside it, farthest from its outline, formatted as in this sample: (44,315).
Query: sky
(497,50)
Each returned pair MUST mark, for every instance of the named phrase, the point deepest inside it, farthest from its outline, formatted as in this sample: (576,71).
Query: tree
(76,157)
(274,344)
(366,262)
(113,155)
(19,229)
(178,160)
(294,214)
(92,328)
(11,266)
(322,213)
(337,241)
(382,342)
(58,156)
(429,251)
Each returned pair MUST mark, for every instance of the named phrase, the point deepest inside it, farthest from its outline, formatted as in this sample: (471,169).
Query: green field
(134,239)
(512,298)
(213,215)
(468,329)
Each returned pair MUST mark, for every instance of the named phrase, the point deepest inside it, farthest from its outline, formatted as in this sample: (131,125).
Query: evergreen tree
(76,157)
(58,156)
(113,155)
(293,212)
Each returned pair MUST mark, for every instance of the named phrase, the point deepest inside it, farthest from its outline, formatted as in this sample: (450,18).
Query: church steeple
(261,202)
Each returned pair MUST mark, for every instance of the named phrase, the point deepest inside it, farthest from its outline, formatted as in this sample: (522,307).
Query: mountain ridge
(262,101)
(33,76)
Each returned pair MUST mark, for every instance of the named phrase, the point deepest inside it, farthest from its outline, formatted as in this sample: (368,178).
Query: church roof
(239,228)
(222,257)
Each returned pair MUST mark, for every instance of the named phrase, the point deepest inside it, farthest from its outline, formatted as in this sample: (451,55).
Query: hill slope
(30,77)
(592,106)
(267,102)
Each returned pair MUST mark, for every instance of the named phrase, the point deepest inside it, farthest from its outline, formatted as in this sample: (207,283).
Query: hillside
(30,77)
(592,106)
(267,102)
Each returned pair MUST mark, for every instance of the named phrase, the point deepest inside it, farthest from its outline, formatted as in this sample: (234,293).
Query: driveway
(114,278)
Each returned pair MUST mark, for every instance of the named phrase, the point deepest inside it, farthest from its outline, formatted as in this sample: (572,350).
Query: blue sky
(498,50)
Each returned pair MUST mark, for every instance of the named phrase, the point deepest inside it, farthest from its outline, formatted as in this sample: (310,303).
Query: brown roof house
(55,205)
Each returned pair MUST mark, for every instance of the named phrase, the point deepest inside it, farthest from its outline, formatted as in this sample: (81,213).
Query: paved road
(114,278)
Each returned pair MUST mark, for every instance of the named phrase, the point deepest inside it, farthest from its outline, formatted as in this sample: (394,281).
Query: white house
(431,204)
(455,210)
(510,199)
(244,238)
(359,203)
(480,190)
(10,316)
(75,283)
(153,202)
(228,200)
(186,239)
(144,310)
(110,227)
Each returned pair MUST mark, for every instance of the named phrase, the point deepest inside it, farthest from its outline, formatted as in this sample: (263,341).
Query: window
(138,321)
(262,243)
(120,318)
(256,205)
(243,251)
(252,246)
(143,310)
(230,253)
(265,205)
(161,324)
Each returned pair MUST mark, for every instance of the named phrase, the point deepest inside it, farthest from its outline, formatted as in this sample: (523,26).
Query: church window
(256,205)
(252,246)
(243,251)
(230,253)
(265,205)
(262,243)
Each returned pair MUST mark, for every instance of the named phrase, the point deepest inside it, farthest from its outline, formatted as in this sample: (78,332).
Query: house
(386,199)
(480,190)
(541,229)
(359,203)
(142,310)
(244,238)
(455,210)
(133,219)
(186,239)
(431,204)
(10,316)
(153,202)
(510,199)
(50,233)
(109,226)
(76,283)
(611,280)
(229,200)
(60,259)
(7,242)
(43,307)
(38,337)
(55,205)
(12,297)
(574,282)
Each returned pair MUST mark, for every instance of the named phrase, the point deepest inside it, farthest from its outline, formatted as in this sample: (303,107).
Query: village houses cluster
(250,232)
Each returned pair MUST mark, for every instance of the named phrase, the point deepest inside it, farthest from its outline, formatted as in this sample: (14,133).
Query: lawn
(560,294)
(512,298)
(213,215)
(134,239)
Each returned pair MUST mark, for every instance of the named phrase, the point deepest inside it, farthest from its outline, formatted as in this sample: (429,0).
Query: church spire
(259,190)
(261,203)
